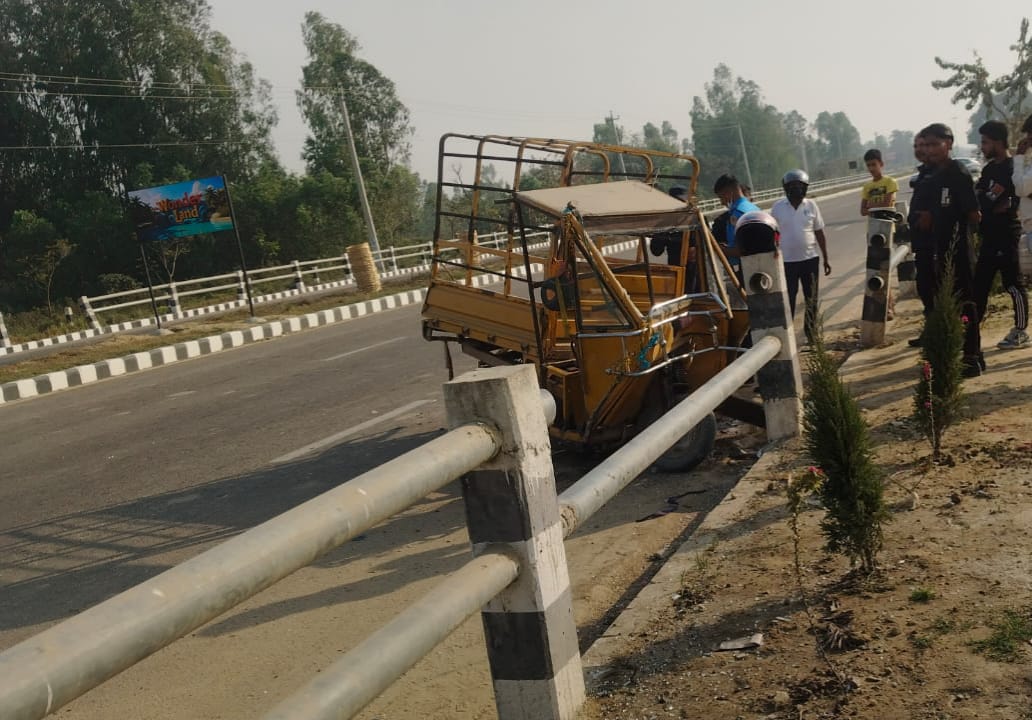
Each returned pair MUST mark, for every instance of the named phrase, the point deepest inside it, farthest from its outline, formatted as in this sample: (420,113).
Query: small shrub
(938,397)
(922,595)
(920,642)
(837,439)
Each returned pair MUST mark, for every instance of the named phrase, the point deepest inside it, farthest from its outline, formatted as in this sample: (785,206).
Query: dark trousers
(925,279)
(964,286)
(996,257)
(807,274)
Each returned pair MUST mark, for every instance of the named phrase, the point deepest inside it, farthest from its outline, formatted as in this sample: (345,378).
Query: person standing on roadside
(922,244)
(881,191)
(949,220)
(803,243)
(1000,231)
(730,192)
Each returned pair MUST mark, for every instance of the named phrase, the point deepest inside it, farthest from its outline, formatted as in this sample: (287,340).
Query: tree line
(100,98)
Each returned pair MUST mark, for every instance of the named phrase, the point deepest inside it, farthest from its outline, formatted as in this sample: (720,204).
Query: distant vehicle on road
(973,166)
(970,164)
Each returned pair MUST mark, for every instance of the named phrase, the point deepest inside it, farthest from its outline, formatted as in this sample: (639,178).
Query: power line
(142,84)
(126,145)
(44,93)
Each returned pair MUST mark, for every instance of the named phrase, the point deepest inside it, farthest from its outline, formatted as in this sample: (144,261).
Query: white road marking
(182,394)
(363,349)
(332,439)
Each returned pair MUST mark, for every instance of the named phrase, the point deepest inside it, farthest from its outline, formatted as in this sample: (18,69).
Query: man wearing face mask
(803,243)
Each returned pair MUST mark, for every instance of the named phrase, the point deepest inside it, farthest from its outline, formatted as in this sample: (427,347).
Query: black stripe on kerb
(518,644)
(777,380)
(874,308)
(767,310)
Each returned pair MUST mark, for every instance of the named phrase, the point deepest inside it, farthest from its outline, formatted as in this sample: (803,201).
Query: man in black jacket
(1000,231)
(922,244)
(949,221)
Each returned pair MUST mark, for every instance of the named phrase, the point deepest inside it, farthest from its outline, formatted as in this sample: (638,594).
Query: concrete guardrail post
(880,234)
(174,308)
(5,339)
(241,287)
(87,309)
(511,501)
(780,380)
(299,279)
(394,259)
(906,271)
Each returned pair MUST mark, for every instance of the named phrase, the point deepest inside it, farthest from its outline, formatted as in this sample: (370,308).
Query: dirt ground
(941,631)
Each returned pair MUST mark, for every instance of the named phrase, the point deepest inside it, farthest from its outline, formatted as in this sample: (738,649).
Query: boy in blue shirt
(729,190)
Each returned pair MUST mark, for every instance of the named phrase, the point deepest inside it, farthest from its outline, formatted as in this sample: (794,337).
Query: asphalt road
(104,486)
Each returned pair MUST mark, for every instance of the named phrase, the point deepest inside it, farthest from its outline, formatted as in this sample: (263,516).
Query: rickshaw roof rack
(629,207)
(574,161)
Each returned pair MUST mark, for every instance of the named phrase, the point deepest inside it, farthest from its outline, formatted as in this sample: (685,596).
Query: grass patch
(1010,634)
(922,595)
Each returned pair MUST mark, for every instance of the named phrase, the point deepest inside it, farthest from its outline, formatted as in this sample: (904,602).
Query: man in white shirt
(802,235)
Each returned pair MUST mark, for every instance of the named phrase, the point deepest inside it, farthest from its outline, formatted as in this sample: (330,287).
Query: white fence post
(84,303)
(511,501)
(241,287)
(5,339)
(780,380)
(394,259)
(299,279)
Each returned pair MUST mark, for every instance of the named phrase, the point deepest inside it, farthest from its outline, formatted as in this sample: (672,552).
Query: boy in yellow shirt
(881,191)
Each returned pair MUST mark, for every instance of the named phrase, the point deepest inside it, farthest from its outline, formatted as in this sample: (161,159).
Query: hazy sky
(528,67)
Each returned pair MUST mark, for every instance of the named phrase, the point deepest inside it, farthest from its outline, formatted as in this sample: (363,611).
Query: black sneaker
(972,367)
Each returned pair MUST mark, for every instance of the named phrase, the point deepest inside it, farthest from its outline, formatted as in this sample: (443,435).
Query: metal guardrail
(297,277)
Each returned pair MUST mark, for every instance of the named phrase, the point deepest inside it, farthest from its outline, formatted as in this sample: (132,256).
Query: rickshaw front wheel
(693,447)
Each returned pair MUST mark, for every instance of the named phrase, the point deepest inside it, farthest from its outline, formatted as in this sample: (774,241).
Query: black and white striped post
(780,380)
(880,232)
(87,309)
(511,501)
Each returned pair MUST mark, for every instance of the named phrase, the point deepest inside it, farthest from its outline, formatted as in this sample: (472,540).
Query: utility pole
(374,245)
(619,141)
(745,157)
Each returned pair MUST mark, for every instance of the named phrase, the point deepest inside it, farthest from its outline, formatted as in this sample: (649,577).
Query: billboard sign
(170,212)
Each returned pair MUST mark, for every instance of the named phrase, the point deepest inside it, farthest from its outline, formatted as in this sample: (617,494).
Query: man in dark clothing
(1000,231)
(949,221)
(922,244)
(670,243)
